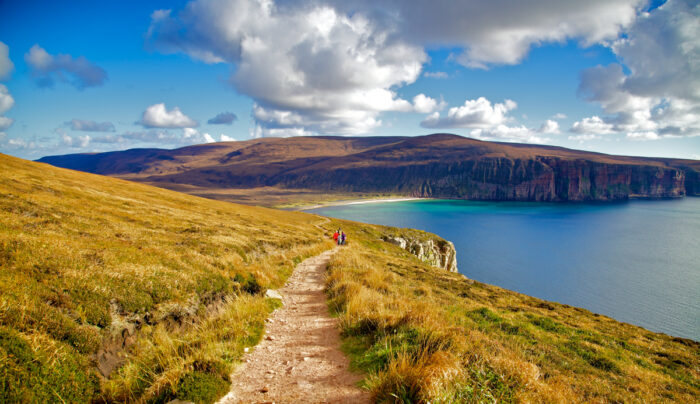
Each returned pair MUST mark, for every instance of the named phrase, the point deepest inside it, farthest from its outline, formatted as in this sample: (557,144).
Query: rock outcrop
(434,251)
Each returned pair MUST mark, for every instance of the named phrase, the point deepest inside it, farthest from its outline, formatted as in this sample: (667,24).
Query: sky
(612,76)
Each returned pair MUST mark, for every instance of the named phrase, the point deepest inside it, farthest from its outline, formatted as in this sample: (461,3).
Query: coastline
(357,202)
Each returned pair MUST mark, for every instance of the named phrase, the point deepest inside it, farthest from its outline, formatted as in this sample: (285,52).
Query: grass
(115,291)
(112,291)
(425,335)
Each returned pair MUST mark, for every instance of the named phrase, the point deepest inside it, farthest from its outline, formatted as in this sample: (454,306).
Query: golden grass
(90,262)
(425,335)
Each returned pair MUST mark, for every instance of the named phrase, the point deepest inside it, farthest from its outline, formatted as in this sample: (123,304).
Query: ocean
(636,261)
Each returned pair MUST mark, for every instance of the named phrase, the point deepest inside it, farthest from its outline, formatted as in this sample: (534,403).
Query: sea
(636,261)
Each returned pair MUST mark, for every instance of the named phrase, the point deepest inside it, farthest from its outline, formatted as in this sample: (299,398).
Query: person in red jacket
(335,236)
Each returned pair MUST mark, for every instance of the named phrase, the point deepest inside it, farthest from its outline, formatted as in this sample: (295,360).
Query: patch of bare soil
(299,359)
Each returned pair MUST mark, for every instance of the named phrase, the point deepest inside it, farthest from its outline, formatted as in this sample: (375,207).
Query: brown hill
(439,165)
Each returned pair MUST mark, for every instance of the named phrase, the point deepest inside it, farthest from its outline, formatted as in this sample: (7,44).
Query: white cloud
(193,136)
(583,138)
(157,137)
(479,113)
(549,127)
(642,136)
(509,134)
(490,121)
(436,75)
(6,65)
(558,116)
(260,131)
(335,67)
(90,126)
(425,105)
(75,141)
(660,96)
(6,102)
(5,122)
(592,126)
(16,144)
(500,32)
(47,69)
(309,68)
(157,116)
(225,138)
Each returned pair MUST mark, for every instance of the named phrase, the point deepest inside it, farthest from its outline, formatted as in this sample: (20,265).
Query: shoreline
(358,202)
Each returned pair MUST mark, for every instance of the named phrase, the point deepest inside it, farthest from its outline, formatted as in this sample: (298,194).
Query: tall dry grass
(425,335)
(89,263)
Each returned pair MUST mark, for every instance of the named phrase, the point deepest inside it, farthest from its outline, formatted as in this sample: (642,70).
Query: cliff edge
(429,248)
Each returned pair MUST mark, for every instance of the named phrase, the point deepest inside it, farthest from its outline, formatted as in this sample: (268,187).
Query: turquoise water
(636,261)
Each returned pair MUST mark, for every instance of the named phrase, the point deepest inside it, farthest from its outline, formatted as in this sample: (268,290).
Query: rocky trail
(299,359)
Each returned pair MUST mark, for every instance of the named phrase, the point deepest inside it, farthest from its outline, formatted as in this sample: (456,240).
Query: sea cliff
(436,166)
(542,179)
(434,250)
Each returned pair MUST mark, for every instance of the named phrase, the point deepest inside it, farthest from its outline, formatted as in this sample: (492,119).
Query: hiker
(336,235)
(342,238)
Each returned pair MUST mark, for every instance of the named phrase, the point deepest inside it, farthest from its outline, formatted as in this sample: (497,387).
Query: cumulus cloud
(501,31)
(660,96)
(425,105)
(6,65)
(6,102)
(479,113)
(225,138)
(309,68)
(193,136)
(334,67)
(16,144)
(224,118)
(158,116)
(74,141)
(90,126)
(47,69)
(509,134)
(549,127)
(490,121)
(592,126)
(5,123)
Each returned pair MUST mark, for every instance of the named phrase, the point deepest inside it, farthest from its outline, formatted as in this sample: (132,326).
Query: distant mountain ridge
(437,166)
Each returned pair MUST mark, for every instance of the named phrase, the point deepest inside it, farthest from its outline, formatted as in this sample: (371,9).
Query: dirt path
(299,359)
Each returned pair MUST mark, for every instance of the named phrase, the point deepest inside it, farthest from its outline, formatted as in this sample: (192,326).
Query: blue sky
(615,76)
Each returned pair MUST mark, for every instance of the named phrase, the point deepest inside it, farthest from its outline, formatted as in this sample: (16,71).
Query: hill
(113,291)
(278,170)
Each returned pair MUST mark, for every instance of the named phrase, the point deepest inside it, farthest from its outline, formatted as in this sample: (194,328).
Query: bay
(636,261)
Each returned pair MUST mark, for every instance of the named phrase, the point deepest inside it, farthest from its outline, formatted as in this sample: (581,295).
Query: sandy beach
(358,202)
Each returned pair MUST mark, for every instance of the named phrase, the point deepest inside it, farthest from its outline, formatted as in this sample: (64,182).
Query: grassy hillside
(425,335)
(112,291)
(94,268)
